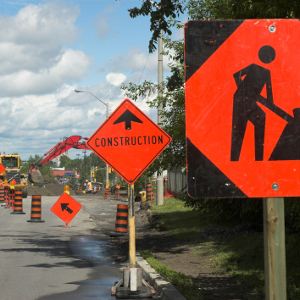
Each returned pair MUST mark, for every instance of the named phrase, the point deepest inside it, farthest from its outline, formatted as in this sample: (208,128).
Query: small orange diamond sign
(2,168)
(129,141)
(66,208)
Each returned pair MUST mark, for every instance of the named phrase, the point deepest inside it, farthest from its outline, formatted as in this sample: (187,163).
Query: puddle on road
(103,274)
(98,252)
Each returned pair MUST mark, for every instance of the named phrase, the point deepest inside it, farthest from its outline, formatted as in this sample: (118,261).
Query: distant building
(61,173)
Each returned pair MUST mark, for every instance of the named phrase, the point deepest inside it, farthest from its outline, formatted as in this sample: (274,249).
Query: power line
(144,68)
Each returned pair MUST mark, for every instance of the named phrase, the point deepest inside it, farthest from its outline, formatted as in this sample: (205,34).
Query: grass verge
(182,283)
(241,255)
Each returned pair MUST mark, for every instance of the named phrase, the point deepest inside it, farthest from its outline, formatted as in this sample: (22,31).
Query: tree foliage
(72,182)
(159,13)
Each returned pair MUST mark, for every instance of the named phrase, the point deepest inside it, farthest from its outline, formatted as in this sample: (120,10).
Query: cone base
(35,221)
(17,213)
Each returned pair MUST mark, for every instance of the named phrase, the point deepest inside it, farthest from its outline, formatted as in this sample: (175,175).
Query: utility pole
(84,174)
(78,163)
(160,180)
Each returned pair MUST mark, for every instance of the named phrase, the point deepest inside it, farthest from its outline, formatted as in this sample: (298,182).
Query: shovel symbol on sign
(250,82)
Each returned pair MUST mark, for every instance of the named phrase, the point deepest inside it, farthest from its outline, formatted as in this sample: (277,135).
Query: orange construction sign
(129,141)
(66,208)
(243,108)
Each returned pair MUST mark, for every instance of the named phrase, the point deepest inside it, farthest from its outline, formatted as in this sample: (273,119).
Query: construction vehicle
(74,141)
(12,173)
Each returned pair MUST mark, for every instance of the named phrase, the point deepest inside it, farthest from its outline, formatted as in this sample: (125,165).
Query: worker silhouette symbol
(250,83)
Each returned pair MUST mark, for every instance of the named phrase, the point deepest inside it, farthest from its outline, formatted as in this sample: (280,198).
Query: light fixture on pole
(80,91)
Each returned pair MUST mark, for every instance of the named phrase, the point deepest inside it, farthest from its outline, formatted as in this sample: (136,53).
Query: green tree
(72,182)
(100,175)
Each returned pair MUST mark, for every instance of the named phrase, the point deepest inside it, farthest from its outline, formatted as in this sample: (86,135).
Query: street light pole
(160,179)
(80,91)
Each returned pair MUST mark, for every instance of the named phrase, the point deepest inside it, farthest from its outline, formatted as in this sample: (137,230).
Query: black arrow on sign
(64,206)
(127,117)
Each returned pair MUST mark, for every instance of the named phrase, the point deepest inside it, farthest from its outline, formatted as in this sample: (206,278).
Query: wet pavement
(47,261)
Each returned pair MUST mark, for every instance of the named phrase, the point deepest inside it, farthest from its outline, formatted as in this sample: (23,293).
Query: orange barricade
(18,203)
(149,192)
(36,209)
(11,198)
(117,193)
(2,194)
(98,188)
(122,218)
(6,195)
(106,193)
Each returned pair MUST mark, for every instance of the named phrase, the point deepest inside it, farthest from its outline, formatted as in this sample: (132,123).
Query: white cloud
(33,58)
(102,24)
(115,79)
(136,61)
(71,66)
(40,24)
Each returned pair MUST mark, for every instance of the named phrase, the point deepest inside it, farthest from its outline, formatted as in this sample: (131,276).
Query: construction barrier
(6,195)
(36,209)
(11,198)
(2,194)
(18,203)
(98,188)
(149,192)
(79,190)
(106,193)
(121,218)
(117,193)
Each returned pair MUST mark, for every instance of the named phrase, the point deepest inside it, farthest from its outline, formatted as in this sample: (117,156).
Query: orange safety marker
(11,198)
(121,218)
(106,193)
(117,193)
(2,194)
(36,209)
(6,196)
(18,203)
(149,192)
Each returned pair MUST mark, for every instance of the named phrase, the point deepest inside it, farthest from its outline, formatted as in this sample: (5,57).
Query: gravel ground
(50,189)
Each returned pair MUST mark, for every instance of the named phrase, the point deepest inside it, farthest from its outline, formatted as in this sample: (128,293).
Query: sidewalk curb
(163,287)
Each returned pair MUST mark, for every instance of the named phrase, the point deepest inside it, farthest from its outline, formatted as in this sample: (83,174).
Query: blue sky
(50,48)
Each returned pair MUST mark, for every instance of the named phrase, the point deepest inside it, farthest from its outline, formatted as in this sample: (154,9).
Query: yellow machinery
(13,174)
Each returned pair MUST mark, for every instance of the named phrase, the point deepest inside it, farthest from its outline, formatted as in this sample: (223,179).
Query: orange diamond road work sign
(2,168)
(66,208)
(243,108)
(128,141)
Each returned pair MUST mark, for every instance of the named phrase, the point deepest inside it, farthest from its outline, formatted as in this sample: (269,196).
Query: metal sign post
(131,224)
(274,248)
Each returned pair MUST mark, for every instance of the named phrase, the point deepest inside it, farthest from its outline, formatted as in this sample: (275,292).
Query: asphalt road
(43,261)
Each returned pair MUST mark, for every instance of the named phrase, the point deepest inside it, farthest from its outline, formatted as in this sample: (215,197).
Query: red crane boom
(73,141)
